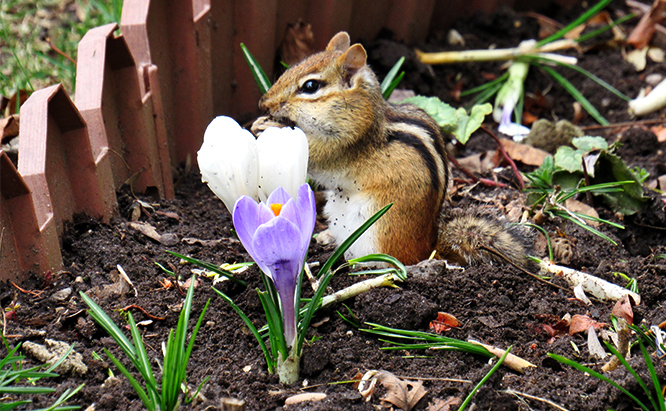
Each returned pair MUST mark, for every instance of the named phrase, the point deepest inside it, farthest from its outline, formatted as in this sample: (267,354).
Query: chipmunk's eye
(311,86)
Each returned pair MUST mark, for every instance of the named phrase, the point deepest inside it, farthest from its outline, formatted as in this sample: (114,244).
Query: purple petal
(247,217)
(308,212)
(278,196)
(277,246)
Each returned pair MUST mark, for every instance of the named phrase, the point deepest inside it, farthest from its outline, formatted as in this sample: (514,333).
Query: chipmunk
(368,153)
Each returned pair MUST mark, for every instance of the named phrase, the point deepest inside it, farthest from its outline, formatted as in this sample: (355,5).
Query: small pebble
(62,294)
(654,78)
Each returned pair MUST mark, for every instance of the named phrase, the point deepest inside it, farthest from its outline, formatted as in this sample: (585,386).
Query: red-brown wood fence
(144,98)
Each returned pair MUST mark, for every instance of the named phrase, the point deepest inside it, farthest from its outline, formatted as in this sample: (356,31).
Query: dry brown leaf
(660,132)
(150,231)
(622,309)
(443,405)
(403,394)
(547,26)
(580,207)
(298,43)
(580,323)
(524,153)
(9,128)
(644,31)
(168,214)
(444,322)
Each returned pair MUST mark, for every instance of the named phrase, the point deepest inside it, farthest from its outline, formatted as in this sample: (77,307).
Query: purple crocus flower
(277,234)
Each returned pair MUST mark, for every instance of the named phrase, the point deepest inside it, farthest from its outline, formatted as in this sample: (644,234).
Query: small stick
(57,50)
(624,124)
(152,317)
(475,179)
(4,327)
(532,397)
(506,157)
(35,294)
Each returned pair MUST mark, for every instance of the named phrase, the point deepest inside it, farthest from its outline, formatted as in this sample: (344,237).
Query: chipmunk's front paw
(262,123)
(325,238)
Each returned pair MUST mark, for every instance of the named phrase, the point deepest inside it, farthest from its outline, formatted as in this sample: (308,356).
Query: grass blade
(110,327)
(259,75)
(252,328)
(484,379)
(133,382)
(655,380)
(392,79)
(340,251)
(581,19)
(576,94)
(583,72)
(597,375)
(383,258)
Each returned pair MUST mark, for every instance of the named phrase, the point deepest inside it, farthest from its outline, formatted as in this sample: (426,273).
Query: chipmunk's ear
(339,42)
(354,58)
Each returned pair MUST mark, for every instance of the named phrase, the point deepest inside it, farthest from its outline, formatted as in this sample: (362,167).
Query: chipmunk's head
(331,95)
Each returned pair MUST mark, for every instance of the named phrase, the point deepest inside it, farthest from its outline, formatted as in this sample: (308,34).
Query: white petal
(283,160)
(228,161)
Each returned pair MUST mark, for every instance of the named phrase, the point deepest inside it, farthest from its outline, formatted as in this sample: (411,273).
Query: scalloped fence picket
(144,98)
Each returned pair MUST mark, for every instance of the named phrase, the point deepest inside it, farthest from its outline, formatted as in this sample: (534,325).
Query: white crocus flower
(283,160)
(234,163)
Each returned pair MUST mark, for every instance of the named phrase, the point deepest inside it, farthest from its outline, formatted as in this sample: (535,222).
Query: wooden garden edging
(144,98)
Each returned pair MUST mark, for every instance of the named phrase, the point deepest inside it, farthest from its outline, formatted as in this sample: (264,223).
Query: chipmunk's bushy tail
(473,237)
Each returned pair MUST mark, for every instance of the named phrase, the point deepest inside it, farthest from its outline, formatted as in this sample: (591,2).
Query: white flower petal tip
(283,160)
(228,161)
(517,131)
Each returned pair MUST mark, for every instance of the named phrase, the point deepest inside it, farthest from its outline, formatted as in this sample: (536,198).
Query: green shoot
(392,79)
(575,94)
(580,20)
(176,357)
(259,75)
(425,340)
(483,380)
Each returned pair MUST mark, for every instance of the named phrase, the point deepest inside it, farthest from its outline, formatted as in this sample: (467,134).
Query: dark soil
(495,303)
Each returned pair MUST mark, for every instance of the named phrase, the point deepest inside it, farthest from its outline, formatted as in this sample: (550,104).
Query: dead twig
(35,294)
(57,50)
(152,317)
(532,397)
(519,177)
(475,179)
(4,327)
(624,124)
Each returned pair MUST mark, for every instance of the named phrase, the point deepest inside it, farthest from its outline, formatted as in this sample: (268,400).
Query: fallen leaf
(9,128)
(298,43)
(638,58)
(443,405)
(547,26)
(150,231)
(169,214)
(641,35)
(581,323)
(622,309)
(660,132)
(580,207)
(444,322)
(524,153)
(656,54)
(403,394)
(597,352)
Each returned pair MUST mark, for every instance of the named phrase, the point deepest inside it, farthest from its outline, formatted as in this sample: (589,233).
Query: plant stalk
(386,280)
(448,57)
(288,369)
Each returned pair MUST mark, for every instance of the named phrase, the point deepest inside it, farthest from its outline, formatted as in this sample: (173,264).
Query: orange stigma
(276,208)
